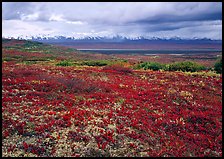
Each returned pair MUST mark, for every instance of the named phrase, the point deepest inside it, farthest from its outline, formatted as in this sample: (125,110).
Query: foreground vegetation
(69,107)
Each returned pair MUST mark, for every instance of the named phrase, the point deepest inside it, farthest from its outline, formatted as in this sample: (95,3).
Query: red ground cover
(87,111)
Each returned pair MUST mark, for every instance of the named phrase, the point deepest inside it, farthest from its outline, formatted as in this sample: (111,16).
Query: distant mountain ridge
(121,42)
(117,38)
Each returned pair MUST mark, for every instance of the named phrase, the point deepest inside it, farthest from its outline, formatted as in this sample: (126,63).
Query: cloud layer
(148,19)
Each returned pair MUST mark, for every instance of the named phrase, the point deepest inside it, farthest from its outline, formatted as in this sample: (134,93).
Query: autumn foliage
(51,111)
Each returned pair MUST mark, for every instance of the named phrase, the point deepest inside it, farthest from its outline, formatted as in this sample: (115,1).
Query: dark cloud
(26,11)
(111,18)
(12,10)
(159,19)
(115,12)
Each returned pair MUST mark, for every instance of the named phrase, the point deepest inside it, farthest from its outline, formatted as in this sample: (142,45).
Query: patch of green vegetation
(185,66)
(203,73)
(31,44)
(11,47)
(124,60)
(103,62)
(39,59)
(64,63)
(95,63)
(218,66)
(13,58)
(155,66)
(7,59)
(71,50)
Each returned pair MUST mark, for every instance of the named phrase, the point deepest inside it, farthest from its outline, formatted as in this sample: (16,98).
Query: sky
(129,19)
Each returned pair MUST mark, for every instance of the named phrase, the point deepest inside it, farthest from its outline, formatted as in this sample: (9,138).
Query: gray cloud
(111,18)
(12,10)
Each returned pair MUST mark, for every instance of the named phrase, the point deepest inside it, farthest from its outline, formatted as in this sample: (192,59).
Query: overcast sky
(131,19)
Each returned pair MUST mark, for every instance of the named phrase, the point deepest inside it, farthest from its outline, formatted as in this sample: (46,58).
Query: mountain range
(121,42)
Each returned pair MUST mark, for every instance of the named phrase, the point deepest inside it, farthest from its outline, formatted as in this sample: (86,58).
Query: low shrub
(29,62)
(7,59)
(218,66)
(186,66)
(64,63)
(31,44)
(155,66)
(95,63)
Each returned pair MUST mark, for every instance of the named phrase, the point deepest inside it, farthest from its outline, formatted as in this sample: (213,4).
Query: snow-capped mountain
(118,38)
(117,42)
(121,42)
